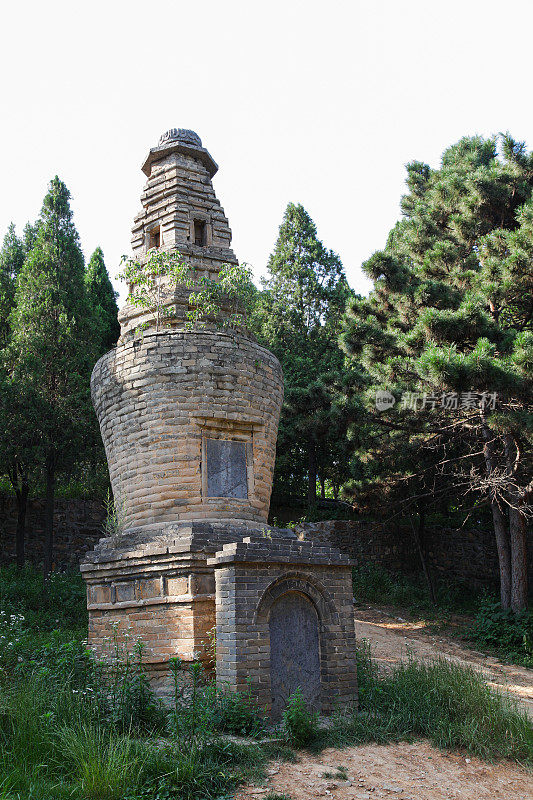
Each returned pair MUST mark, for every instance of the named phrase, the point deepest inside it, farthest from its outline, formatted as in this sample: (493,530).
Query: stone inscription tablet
(294,651)
(226,468)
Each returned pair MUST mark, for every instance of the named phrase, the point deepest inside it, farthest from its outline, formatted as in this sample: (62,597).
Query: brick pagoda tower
(189,421)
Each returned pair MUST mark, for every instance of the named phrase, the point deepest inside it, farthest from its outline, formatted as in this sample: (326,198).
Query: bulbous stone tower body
(189,421)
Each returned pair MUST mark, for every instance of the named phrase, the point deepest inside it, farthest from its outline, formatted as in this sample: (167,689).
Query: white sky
(319,103)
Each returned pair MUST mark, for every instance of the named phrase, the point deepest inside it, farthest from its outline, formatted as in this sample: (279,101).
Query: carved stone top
(181,135)
(180,140)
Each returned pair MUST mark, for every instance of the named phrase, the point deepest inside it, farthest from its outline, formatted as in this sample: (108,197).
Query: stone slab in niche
(226,468)
(294,651)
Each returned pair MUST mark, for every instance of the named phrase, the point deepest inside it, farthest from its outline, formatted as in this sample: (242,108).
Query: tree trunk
(501,533)
(419,539)
(311,469)
(22,492)
(503,547)
(425,565)
(517,533)
(49,514)
(518,536)
(322,488)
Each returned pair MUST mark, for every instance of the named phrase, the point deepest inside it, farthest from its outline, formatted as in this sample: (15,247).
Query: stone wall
(387,546)
(463,554)
(460,554)
(77,523)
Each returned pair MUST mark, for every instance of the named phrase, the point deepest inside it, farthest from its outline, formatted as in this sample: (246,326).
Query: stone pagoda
(189,421)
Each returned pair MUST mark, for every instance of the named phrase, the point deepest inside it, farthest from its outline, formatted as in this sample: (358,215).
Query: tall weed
(106,764)
(300,723)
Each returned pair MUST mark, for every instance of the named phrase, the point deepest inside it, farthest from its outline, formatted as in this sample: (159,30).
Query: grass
(277,796)
(449,704)
(59,743)
(103,764)
(340,774)
(66,732)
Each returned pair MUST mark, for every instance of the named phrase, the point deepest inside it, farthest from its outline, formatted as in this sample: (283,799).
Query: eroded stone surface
(226,468)
(294,651)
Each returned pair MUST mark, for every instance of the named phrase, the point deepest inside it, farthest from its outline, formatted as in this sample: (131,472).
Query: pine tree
(103,300)
(53,341)
(450,317)
(300,309)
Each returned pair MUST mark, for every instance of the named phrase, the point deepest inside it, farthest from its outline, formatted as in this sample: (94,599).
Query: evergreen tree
(18,441)
(103,301)
(53,341)
(450,317)
(300,311)
(11,260)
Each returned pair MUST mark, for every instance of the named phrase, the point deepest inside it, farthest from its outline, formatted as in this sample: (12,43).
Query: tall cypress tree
(300,309)
(11,260)
(53,341)
(451,318)
(103,300)
(18,442)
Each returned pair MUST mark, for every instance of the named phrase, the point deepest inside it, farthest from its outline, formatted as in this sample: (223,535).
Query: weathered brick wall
(364,542)
(155,586)
(250,576)
(77,527)
(158,398)
(461,554)
(179,192)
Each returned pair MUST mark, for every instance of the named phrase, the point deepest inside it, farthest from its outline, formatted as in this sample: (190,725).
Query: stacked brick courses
(178,193)
(157,398)
(154,584)
(250,576)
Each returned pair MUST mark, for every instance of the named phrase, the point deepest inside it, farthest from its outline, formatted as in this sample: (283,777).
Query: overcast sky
(319,103)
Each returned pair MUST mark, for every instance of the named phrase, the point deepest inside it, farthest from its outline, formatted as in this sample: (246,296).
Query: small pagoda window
(199,233)
(155,238)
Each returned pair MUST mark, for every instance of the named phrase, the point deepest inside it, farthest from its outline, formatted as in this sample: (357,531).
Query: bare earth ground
(404,771)
(408,771)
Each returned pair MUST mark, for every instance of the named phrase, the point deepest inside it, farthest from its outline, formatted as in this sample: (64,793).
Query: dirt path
(392,638)
(407,771)
(404,771)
